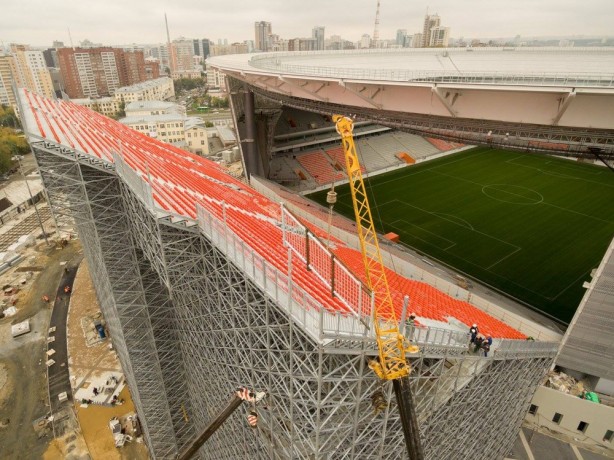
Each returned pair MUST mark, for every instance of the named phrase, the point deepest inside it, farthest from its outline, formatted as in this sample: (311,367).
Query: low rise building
(196,136)
(108,106)
(185,132)
(160,89)
(144,108)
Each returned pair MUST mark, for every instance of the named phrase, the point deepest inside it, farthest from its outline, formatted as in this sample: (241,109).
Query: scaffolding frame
(194,312)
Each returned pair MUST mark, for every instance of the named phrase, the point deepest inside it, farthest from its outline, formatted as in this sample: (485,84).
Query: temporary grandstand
(207,285)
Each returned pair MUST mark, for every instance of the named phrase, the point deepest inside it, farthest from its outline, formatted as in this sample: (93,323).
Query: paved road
(59,379)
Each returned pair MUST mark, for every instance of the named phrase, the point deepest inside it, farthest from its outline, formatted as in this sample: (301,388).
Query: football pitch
(532,226)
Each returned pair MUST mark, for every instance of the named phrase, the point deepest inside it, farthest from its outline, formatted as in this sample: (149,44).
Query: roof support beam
(263,82)
(359,93)
(436,91)
(304,88)
(566,101)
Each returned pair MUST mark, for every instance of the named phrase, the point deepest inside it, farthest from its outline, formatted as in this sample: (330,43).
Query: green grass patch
(529,225)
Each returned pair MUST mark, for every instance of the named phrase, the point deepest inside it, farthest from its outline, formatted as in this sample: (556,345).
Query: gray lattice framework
(190,324)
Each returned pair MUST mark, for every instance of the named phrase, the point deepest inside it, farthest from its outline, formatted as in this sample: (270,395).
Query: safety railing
(135,182)
(436,337)
(276,63)
(316,319)
(344,285)
(513,349)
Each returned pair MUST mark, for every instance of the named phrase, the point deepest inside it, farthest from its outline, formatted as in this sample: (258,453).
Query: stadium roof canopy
(533,66)
(453,93)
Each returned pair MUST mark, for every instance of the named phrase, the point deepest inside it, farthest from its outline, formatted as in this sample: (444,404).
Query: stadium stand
(416,146)
(442,145)
(180,180)
(337,155)
(547,145)
(318,165)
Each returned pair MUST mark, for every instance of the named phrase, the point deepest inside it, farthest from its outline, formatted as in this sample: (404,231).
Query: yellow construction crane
(392,345)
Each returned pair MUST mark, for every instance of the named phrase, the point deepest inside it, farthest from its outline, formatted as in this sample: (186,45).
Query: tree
(5,158)
(121,111)
(208,124)
(8,117)
(187,84)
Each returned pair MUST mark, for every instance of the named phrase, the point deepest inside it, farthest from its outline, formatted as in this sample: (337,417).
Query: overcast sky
(113,22)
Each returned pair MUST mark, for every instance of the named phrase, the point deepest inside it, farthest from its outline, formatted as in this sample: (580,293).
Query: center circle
(514,194)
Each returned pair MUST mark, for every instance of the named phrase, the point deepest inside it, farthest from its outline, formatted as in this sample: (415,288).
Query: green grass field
(531,226)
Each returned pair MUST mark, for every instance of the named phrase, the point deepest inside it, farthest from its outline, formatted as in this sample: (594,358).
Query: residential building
(206,44)
(234,48)
(151,68)
(160,89)
(430,21)
(172,128)
(26,69)
(318,35)
(144,108)
(7,64)
(197,47)
(183,51)
(196,136)
(167,128)
(365,41)
(51,57)
(439,37)
(215,78)
(302,44)
(56,81)
(108,106)
(416,41)
(262,32)
(98,72)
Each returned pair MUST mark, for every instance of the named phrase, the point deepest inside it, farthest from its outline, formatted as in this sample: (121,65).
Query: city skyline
(113,23)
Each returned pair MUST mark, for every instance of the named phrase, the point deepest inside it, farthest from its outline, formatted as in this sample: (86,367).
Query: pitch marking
(501,188)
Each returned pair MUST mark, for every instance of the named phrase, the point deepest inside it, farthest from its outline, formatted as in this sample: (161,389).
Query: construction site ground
(91,363)
(23,374)
(25,430)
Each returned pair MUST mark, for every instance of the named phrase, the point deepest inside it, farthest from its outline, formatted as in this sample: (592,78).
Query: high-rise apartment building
(416,41)
(206,44)
(439,37)
(97,72)
(318,35)
(183,52)
(365,41)
(7,64)
(430,21)
(262,30)
(26,69)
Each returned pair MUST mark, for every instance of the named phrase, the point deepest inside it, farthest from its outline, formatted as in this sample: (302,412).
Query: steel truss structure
(564,141)
(194,312)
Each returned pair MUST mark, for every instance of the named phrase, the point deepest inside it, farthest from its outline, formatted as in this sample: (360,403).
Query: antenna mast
(171,53)
(376,31)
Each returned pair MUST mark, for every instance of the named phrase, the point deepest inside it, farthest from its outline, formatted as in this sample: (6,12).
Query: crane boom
(392,345)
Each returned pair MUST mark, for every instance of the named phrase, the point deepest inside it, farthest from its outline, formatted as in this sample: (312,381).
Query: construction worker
(477,343)
(473,332)
(46,298)
(486,345)
(67,289)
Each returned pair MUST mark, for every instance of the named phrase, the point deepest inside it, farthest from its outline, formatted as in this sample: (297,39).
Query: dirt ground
(89,358)
(23,396)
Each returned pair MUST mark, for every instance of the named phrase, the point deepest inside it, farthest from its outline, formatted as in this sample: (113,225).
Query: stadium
(209,283)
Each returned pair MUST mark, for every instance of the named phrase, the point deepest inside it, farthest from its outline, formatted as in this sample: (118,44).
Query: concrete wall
(574,410)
